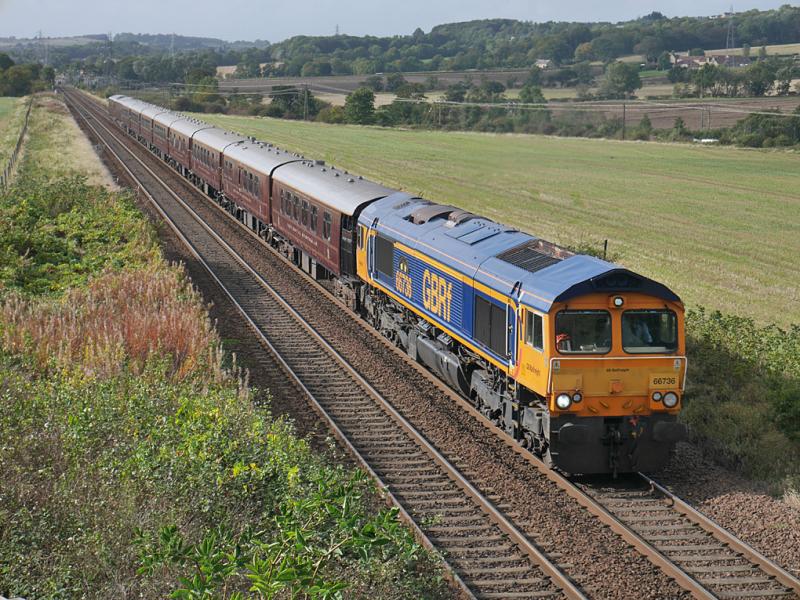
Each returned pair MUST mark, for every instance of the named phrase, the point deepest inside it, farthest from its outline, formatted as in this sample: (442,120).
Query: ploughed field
(718,225)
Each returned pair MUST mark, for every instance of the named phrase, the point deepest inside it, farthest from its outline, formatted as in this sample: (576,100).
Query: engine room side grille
(529,256)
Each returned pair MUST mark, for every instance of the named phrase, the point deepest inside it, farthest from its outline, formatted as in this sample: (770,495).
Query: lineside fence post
(5,178)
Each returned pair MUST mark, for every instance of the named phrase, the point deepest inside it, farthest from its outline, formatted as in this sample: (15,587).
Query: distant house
(226,72)
(698,62)
(544,63)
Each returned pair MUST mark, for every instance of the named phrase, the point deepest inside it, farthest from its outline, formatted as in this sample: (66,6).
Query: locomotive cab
(610,369)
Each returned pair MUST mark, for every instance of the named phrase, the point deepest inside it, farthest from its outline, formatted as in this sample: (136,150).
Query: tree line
(484,44)
(23,79)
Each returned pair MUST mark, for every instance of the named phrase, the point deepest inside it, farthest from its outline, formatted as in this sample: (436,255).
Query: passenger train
(579,360)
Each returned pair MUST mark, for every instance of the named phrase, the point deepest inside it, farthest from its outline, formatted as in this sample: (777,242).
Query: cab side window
(534,335)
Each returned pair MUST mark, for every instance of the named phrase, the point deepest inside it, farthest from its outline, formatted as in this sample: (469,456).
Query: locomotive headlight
(657,396)
(670,399)
(563,401)
(577,397)
(619,301)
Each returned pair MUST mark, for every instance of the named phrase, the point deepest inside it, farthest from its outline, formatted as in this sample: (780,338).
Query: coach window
(326,225)
(313,218)
(533,330)
(296,208)
(304,213)
(255,191)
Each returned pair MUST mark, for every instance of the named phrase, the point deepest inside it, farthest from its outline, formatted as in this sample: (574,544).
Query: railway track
(699,555)
(720,565)
(488,555)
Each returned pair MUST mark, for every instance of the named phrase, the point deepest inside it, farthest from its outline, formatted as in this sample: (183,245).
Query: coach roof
(188,126)
(151,111)
(338,189)
(217,139)
(259,156)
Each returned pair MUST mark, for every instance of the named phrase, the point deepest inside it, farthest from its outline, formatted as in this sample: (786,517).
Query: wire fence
(5,178)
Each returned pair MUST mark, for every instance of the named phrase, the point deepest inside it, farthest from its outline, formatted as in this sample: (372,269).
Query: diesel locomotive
(578,359)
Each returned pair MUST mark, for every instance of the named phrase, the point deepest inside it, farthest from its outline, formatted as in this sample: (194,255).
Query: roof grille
(535,255)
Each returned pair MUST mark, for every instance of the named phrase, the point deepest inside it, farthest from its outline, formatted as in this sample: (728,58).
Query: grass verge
(133,462)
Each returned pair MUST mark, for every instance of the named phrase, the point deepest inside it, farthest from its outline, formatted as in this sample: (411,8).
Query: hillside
(507,43)
(720,224)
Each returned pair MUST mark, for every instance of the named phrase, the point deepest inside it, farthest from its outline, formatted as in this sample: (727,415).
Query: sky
(277,20)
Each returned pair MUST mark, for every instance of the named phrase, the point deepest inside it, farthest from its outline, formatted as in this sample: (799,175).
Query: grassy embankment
(133,461)
(718,225)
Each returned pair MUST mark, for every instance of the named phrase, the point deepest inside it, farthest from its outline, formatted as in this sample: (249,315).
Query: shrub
(743,392)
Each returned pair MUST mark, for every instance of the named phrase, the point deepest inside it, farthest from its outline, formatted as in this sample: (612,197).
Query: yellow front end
(611,369)
(610,379)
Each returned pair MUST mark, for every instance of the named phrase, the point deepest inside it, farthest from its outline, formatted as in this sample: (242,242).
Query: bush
(56,234)
(332,114)
(132,462)
(743,392)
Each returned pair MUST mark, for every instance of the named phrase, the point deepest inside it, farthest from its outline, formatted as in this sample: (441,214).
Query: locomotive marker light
(670,399)
(619,301)
(577,397)
(563,401)
(657,396)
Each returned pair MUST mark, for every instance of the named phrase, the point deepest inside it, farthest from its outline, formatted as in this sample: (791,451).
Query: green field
(719,225)
(10,122)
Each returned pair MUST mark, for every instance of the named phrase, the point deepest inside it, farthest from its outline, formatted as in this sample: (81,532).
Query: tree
(535,77)
(650,46)
(5,61)
(530,94)
(18,80)
(395,81)
(705,78)
(746,50)
(584,52)
(373,82)
(622,80)
(784,77)
(697,52)
(456,92)
(645,129)
(762,53)
(760,78)
(359,106)
(664,61)
(583,73)
(293,103)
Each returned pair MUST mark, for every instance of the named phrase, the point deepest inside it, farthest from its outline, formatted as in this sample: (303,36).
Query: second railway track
(703,558)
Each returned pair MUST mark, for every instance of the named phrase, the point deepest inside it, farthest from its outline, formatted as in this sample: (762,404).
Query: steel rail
(765,564)
(495,515)
(682,578)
